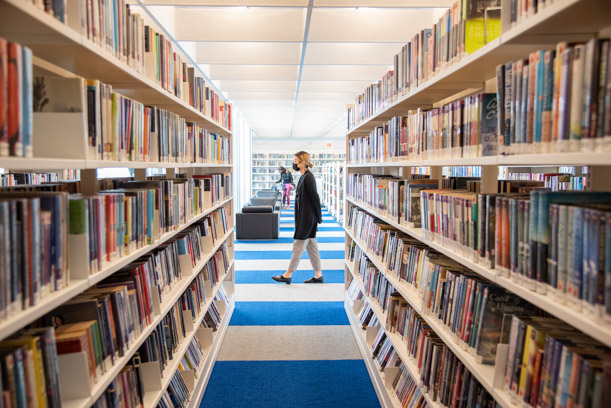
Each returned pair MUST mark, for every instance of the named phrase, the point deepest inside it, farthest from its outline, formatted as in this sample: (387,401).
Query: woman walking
(286,178)
(307,217)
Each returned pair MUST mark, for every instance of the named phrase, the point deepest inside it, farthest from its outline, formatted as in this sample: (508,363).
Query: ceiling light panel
(247,53)
(321,112)
(376,25)
(383,3)
(270,120)
(319,104)
(308,134)
(273,132)
(258,104)
(231,3)
(346,97)
(333,86)
(228,24)
(351,53)
(343,72)
(264,110)
(260,96)
(314,122)
(319,123)
(254,72)
(256,86)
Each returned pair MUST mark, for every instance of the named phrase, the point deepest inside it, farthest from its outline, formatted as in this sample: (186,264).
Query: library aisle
(290,345)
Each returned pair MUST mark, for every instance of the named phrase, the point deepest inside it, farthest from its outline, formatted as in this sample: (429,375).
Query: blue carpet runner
(254,255)
(303,384)
(289,314)
(321,228)
(288,240)
(298,374)
(331,276)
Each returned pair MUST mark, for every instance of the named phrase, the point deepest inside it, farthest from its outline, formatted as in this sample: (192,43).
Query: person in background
(286,178)
(308,215)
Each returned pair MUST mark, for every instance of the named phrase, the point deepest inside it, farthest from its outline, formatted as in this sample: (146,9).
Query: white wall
(290,146)
(242,163)
(166,17)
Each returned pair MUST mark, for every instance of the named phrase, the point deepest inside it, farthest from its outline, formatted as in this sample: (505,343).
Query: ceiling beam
(342,119)
(306,32)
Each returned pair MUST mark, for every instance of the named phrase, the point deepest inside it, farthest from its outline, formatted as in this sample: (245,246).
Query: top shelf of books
(149,74)
(19,163)
(454,69)
(548,159)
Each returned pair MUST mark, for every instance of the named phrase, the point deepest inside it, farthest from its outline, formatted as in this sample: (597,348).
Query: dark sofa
(259,219)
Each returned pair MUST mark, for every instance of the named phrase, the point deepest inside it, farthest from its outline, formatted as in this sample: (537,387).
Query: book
(465,128)
(553,103)
(496,303)
(3,97)
(33,346)
(482,23)
(120,128)
(49,355)
(14,83)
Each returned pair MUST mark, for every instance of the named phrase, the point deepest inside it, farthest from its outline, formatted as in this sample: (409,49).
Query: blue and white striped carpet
(289,345)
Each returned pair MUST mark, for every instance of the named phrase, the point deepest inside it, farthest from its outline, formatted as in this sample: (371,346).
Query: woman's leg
(314,254)
(298,247)
(288,196)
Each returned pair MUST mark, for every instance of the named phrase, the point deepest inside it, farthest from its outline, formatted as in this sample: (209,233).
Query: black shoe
(315,280)
(281,278)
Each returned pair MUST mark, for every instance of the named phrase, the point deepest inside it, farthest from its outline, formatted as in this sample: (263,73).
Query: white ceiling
(291,66)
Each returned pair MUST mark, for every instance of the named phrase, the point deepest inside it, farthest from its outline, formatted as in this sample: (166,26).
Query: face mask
(295,167)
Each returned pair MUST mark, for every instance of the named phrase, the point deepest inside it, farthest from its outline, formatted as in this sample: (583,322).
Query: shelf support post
(140,174)
(89,181)
(170,172)
(599,178)
(189,172)
(489,184)
(437,173)
(406,173)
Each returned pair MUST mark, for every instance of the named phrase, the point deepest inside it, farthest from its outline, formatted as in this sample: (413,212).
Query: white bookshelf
(326,185)
(561,20)
(106,379)
(207,338)
(63,50)
(80,283)
(598,329)
(206,369)
(485,374)
(265,174)
(333,184)
(363,341)
(398,343)
(555,159)
(64,46)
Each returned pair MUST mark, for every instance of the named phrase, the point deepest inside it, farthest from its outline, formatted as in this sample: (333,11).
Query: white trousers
(312,247)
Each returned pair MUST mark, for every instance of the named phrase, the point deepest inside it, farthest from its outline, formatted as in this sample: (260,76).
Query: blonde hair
(304,157)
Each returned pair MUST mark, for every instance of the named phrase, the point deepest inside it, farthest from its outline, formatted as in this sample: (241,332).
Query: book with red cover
(3,98)
(74,342)
(14,99)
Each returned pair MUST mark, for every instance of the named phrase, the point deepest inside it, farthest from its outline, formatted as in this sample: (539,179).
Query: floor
(289,345)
